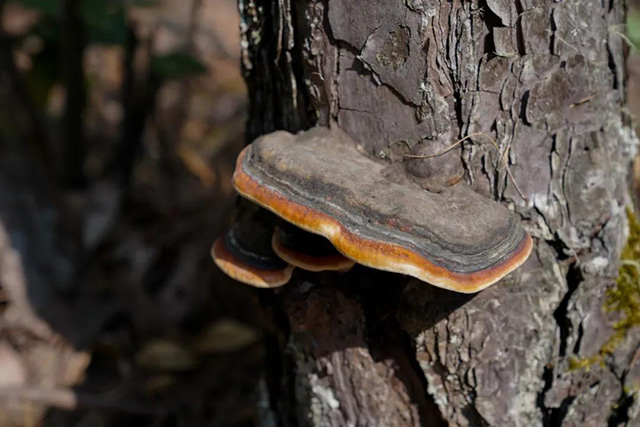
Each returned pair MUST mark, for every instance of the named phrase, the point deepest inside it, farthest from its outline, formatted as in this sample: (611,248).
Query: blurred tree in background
(119,125)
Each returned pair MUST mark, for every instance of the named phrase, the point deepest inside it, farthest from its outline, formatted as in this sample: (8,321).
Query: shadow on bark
(346,320)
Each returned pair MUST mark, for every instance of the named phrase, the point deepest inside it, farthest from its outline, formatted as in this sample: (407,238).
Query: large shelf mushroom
(318,180)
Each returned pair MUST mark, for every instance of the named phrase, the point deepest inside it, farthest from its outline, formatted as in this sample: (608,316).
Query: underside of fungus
(308,251)
(319,181)
(244,253)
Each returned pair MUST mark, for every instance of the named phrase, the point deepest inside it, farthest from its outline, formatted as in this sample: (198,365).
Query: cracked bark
(546,80)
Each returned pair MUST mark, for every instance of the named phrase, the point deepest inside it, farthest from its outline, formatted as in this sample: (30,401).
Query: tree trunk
(545,79)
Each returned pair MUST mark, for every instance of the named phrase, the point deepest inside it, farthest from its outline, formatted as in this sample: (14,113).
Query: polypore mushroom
(244,253)
(308,251)
(318,180)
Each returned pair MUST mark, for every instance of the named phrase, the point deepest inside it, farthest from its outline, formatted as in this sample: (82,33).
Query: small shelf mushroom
(308,251)
(244,253)
(317,180)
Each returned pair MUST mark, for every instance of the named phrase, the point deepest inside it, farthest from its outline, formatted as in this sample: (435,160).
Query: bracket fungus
(319,181)
(244,253)
(308,251)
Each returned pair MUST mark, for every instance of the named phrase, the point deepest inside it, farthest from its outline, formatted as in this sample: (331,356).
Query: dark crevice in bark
(410,351)
(547,377)
(612,66)
(552,35)
(495,182)
(457,104)
(491,20)
(499,178)
(556,416)
(475,419)
(523,107)
(576,346)
(559,247)
(519,31)
(620,412)
(552,417)
(574,277)
(457,95)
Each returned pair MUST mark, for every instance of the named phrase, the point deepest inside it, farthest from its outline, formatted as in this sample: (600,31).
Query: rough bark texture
(546,80)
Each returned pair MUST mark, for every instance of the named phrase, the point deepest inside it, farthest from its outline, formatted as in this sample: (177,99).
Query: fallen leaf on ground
(225,335)
(165,355)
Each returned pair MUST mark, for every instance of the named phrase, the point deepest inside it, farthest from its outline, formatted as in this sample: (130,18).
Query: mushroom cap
(308,251)
(244,252)
(317,180)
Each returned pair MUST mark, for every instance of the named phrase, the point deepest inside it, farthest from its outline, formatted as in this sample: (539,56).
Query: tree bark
(545,79)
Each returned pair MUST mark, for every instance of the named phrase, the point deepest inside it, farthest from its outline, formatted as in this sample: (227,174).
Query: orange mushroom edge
(318,181)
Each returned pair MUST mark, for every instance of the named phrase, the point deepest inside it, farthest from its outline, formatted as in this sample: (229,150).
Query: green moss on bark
(623,298)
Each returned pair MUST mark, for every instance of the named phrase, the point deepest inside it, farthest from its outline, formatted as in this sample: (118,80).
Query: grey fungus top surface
(319,181)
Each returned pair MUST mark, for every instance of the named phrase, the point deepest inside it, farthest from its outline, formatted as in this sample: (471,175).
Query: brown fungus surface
(244,252)
(308,251)
(317,180)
